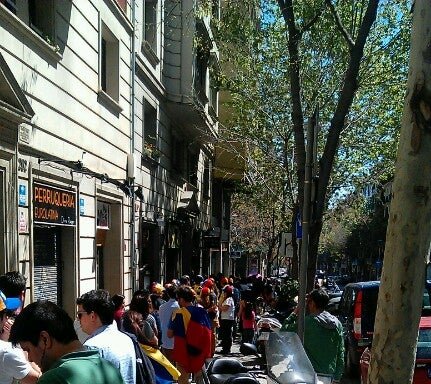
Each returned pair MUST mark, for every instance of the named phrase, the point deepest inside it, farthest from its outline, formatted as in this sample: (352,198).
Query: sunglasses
(80,313)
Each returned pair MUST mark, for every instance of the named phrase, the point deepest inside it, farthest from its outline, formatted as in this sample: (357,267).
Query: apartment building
(176,108)
(64,145)
(108,114)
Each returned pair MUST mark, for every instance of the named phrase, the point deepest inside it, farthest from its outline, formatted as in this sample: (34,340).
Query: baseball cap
(11,303)
(228,289)
(205,291)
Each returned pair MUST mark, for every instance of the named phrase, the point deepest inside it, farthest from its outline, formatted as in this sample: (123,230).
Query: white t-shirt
(13,364)
(230,313)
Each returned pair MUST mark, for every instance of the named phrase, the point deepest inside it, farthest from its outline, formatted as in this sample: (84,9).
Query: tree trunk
(408,236)
(344,103)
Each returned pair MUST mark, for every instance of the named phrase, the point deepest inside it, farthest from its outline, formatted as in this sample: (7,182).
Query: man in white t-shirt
(13,362)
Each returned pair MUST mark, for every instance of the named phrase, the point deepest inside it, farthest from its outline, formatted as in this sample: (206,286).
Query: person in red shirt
(248,322)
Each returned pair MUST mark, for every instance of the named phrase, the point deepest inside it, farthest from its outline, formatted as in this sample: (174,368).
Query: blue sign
(298,226)
(81,207)
(22,195)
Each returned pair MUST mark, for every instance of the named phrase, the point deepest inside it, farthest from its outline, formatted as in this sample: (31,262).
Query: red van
(422,374)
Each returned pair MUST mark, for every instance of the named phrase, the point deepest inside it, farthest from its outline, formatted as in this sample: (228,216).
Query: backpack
(144,369)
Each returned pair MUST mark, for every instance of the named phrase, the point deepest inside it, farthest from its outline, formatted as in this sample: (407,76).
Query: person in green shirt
(323,335)
(45,331)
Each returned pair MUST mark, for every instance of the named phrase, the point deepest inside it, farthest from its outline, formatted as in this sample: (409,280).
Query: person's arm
(340,357)
(32,377)
(170,332)
(5,332)
(18,366)
(241,307)
(289,324)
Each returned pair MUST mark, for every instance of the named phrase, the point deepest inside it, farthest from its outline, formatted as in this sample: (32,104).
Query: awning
(188,203)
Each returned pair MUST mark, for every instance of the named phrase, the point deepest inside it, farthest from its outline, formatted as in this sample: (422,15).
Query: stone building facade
(107,118)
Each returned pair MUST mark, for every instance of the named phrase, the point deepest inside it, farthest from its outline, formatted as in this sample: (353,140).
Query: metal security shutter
(47,264)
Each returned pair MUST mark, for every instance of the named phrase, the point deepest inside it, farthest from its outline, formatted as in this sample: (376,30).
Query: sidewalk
(250,361)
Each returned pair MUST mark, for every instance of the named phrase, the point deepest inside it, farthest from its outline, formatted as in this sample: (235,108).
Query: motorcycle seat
(225,365)
(224,368)
(242,380)
(223,378)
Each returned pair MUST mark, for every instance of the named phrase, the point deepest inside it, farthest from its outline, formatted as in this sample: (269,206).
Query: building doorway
(47,265)
(109,247)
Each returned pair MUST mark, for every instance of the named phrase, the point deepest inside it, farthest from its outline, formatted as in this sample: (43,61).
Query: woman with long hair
(227,318)
(141,302)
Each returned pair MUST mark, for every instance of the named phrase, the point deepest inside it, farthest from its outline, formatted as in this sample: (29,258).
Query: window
(200,82)
(109,63)
(9,4)
(192,166)
(206,180)
(150,24)
(122,4)
(150,131)
(38,15)
(41,17)
(213,100)
(178,157)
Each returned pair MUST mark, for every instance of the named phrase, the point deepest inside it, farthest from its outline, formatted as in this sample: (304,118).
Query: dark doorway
(47,264)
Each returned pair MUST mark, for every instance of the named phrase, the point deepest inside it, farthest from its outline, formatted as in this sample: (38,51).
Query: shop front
(54,232)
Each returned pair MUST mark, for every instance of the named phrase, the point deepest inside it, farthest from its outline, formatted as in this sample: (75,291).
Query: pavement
(250,361)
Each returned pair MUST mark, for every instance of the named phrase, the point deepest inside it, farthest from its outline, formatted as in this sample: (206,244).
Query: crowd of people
(177,326)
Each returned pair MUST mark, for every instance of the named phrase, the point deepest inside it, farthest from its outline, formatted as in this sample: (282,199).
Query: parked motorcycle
(265,324)
(287,362)
(227,370)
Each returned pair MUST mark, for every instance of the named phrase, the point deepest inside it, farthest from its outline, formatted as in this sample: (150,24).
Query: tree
(275,82)
(408,236)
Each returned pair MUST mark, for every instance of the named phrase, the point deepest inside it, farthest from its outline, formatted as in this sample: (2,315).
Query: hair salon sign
(53,205)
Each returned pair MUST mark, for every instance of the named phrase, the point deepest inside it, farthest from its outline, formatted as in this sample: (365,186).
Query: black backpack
(144,369)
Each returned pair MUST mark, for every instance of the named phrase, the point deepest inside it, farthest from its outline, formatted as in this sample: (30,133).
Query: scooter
(227,370)
(287,362)
(265,325)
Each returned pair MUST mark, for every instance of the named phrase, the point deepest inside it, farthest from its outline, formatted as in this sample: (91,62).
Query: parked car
(357,312)
(422,373)
(333,305)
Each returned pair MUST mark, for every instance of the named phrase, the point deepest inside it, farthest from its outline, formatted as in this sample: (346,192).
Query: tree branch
(340,25)
(313,21)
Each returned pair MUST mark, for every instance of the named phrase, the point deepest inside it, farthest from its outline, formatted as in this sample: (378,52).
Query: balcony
(186,76)
(230,161)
